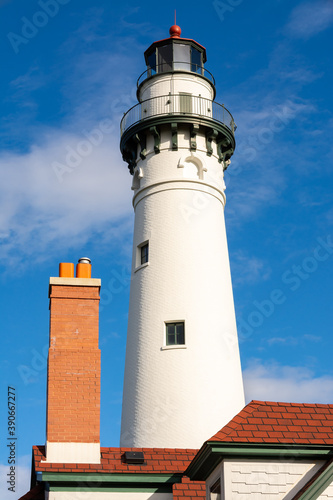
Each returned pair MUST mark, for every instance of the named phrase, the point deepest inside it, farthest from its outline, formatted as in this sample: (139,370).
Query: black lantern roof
(174,39)
(175,54)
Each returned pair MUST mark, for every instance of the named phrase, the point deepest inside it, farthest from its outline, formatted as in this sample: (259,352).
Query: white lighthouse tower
(183,376)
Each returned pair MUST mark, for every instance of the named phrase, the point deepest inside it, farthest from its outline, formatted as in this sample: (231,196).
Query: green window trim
(212,454)
(319,485)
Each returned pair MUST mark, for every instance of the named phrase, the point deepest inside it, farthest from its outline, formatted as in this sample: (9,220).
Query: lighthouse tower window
(175,333)
(142,256)
(144,253)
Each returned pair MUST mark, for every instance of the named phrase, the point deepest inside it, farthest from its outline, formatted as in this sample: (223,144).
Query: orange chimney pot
(66,270)
(83,268)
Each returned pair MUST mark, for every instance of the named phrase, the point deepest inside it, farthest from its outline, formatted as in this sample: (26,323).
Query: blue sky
(62,80)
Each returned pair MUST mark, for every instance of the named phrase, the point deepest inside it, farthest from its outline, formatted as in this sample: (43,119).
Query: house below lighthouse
(185,433)
(182,371)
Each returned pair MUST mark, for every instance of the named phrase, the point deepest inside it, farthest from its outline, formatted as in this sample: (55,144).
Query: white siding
(327,494)
(255,480)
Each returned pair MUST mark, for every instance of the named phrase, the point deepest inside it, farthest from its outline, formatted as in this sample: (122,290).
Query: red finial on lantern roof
(175,31)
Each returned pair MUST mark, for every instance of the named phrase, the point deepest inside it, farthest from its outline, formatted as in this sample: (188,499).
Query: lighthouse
(182,371)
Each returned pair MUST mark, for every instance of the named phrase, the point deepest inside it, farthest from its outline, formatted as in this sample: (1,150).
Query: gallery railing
(168,67)
(177,105)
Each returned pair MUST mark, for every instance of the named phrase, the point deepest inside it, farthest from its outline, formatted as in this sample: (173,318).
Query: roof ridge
(291,403)
(277,422)
(228,428)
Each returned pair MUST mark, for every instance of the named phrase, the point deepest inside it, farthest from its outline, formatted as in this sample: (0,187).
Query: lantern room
(175,54)
(176,95)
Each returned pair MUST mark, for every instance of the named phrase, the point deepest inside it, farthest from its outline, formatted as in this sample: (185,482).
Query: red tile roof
(191,490)
(269,422)
(157,461)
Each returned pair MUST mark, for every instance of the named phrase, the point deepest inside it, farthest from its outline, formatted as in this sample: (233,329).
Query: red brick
(73,365)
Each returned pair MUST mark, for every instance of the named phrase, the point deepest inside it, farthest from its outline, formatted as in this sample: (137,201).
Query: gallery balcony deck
(179,108)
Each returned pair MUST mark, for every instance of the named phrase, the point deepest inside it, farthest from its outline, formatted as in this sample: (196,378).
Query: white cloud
(260,131)
(22,478)
(312,338)
(42,207)
(310,18)
(37,212)
(283,340)
(247,269)
(289,340)
(274,382)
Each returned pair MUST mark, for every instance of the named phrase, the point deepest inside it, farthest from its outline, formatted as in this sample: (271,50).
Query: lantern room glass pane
(181,56)
(164,58)
(152,64)
(196,60)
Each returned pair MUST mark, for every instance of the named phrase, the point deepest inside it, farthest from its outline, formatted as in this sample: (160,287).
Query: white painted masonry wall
(74,453)
(272,480)
(180,396)
(174,83)
(165,84)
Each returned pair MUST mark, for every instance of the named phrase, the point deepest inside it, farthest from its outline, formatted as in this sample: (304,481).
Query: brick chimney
(74,367)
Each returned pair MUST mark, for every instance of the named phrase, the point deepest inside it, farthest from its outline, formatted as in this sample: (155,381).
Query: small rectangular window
(175,333)
(144,253)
